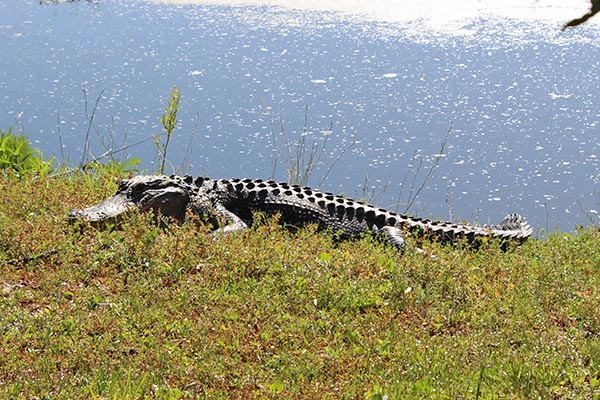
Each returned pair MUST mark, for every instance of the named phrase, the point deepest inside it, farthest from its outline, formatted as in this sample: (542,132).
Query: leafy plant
(17,154)
(168,121)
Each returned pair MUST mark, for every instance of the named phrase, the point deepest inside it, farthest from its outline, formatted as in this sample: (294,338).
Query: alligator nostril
(74,214)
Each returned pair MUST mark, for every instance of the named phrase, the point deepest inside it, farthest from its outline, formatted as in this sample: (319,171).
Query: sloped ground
(140,312)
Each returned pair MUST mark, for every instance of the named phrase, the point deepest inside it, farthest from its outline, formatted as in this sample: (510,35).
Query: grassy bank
(141,312)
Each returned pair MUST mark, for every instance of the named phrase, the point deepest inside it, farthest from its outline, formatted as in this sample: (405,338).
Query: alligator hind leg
(393,236)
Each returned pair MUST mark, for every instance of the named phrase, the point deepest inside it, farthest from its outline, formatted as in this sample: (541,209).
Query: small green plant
(17,154)
(168,121)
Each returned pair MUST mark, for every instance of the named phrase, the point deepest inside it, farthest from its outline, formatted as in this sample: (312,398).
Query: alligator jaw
(107,212)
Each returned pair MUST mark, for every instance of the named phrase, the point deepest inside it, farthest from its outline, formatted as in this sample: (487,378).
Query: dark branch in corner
(593,11)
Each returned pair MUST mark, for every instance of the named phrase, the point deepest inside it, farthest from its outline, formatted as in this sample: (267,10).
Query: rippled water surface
(508,109)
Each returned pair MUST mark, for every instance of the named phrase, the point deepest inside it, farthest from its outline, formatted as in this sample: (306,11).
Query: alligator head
(166,196)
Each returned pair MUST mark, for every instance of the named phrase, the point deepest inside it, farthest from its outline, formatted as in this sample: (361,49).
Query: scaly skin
(236,200)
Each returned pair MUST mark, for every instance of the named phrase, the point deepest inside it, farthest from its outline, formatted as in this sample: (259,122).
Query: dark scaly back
(297,205)
(306,205)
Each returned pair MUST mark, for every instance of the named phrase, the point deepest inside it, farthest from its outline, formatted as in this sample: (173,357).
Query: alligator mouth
(110,211)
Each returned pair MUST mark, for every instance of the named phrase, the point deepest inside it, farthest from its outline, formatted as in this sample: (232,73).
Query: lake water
(513,101)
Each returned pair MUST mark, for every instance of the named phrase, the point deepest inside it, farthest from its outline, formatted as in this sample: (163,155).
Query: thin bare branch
(90,121)
(432,169)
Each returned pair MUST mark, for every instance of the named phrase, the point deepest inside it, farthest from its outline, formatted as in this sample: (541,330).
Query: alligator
(231,204)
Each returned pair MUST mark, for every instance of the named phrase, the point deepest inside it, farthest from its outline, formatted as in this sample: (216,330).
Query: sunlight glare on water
(431,10)
(450,16)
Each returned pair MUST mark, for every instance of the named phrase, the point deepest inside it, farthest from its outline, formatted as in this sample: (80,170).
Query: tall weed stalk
(90,120)
(107,163)
(417,187)
(302,155)
(169,122)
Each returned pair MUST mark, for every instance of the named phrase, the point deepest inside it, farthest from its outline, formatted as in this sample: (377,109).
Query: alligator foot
(393,236)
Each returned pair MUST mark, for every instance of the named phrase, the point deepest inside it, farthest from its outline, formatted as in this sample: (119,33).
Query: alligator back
(349,218)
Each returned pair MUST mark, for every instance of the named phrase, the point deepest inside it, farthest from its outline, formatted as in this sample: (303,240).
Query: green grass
(140,312)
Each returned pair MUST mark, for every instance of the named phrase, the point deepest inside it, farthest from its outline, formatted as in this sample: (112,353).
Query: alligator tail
(512,226)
